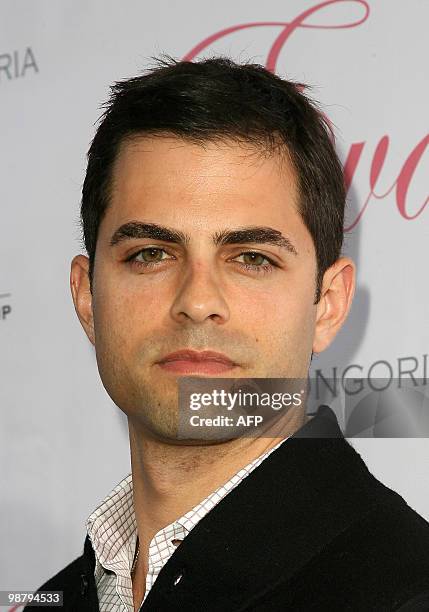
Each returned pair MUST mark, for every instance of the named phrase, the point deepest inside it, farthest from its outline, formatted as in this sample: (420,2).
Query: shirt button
(177,579)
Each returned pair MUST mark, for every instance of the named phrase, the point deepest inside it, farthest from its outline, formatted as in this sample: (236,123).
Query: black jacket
(309,529)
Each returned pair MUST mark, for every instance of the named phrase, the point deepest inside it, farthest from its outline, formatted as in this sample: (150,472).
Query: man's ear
(338,287)
(82,297)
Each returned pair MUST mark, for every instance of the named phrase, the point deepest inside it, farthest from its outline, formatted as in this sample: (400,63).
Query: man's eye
(150,257)
(264,268)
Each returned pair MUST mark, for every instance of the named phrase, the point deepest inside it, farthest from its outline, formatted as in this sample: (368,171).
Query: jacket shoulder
(380,563)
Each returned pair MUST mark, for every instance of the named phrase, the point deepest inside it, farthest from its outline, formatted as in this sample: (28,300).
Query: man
(212,211)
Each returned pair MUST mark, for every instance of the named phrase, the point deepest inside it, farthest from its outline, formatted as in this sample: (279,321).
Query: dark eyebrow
(138,230)
(254,234)
(258,234)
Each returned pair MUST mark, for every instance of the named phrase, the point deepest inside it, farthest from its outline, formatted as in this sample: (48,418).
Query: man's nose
(199,296)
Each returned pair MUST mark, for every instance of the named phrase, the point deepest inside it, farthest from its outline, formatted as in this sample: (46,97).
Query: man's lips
(189,361)
(195,356)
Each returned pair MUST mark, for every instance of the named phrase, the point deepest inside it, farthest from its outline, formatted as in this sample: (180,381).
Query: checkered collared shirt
(112,529)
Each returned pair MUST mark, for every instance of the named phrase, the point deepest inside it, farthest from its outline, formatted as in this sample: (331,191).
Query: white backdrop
(63,443)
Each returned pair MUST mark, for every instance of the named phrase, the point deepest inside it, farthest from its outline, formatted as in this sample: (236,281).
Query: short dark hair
(217,98)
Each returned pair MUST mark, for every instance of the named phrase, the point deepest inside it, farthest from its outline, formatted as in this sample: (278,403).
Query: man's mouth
(188,362)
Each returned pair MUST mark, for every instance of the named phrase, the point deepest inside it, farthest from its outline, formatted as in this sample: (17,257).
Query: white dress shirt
(112,529)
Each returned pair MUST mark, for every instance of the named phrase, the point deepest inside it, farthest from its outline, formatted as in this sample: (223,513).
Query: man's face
(200,295)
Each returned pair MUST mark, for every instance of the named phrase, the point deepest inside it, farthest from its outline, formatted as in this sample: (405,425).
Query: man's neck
(170,479)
